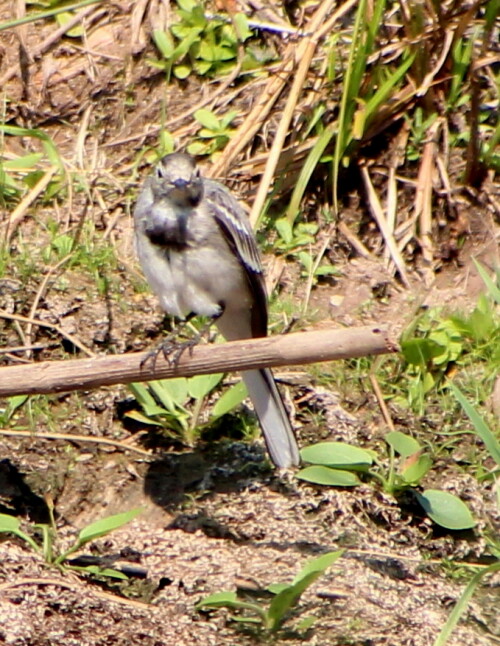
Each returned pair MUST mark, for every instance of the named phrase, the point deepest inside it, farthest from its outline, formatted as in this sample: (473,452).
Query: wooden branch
(297,348)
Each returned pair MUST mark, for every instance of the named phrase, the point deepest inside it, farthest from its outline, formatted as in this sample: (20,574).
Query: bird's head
(177,178)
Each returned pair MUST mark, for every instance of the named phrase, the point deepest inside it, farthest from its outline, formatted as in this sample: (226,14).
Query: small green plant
(214,133)
(176,405)
(207,46)
(12,404)
(340,464)
(286,596)
(47,547)
(291,239)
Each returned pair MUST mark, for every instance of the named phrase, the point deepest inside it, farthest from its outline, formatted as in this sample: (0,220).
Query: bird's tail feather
(273,418)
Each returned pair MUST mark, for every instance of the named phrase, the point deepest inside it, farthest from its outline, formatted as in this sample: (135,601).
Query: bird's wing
(238,233)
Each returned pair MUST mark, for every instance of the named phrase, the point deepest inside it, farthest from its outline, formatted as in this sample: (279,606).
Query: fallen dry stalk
(297,348)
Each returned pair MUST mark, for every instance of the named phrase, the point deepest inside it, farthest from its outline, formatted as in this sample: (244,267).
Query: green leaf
(170,392)
(326,476)
(419,352)
(283,601)
(241,26)
(23,163)
(145,419)
(230,400)
(284,228)
(318,564)
(182,71)
(218,599)
(336,454)
(417,469)
(480,426)
(402,444)
(201,385)
(9,523)
(75,32)
(106,525)
(462,603)
(207,119)
(445,509)
(164,42)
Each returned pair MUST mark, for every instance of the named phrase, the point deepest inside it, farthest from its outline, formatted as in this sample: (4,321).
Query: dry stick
(20,211)
(40,293)
(73,438)
(24,319)
(305,53)
(378,215)
(48,42)
(298,348)
(76,587)
(254,120)
(423,197)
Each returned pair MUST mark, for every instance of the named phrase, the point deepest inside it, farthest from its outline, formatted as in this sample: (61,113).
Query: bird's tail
(273,418)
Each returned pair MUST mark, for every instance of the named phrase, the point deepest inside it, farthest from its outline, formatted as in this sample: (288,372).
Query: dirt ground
(216,517)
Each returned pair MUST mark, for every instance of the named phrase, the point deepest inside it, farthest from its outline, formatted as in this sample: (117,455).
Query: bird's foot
(172,349)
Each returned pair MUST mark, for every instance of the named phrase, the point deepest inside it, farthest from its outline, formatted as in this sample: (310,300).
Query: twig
(73,438)
(50,40)
(380,400)
(76,588)
(24,319)
(20,211)
(378,215)
(290,349)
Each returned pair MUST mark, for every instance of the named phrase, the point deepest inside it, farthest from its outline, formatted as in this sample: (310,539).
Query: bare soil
(215,517)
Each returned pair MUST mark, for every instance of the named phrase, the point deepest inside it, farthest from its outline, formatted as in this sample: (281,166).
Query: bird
(199,254)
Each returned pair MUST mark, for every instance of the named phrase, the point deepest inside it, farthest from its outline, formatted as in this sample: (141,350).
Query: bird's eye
(159,172)
(196,172)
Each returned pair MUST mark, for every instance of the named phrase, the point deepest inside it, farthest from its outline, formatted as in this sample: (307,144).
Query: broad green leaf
(276,588)
(402,444)
(480,426)
(326,476)
(75,32)
(201,385)
(445,509)
(24,162)
(142,394)
(48,144)
(145,419)
(182,71)
(230,400)
(186,5)
(170,392)
(207,119)
(284,229)
(416,469)
(336,454)
(228,599)
(164,42)
(241,25)
(197,148)
(106,525)
(9,523)
(218,599)
(318,564)
(283,601)
(419,352)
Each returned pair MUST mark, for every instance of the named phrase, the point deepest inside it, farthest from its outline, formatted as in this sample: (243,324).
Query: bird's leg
(172,348)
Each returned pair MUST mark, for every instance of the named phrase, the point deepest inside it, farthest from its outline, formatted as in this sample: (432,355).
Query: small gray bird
(199,254)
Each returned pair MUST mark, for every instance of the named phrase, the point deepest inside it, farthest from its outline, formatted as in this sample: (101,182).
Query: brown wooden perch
(298,348)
